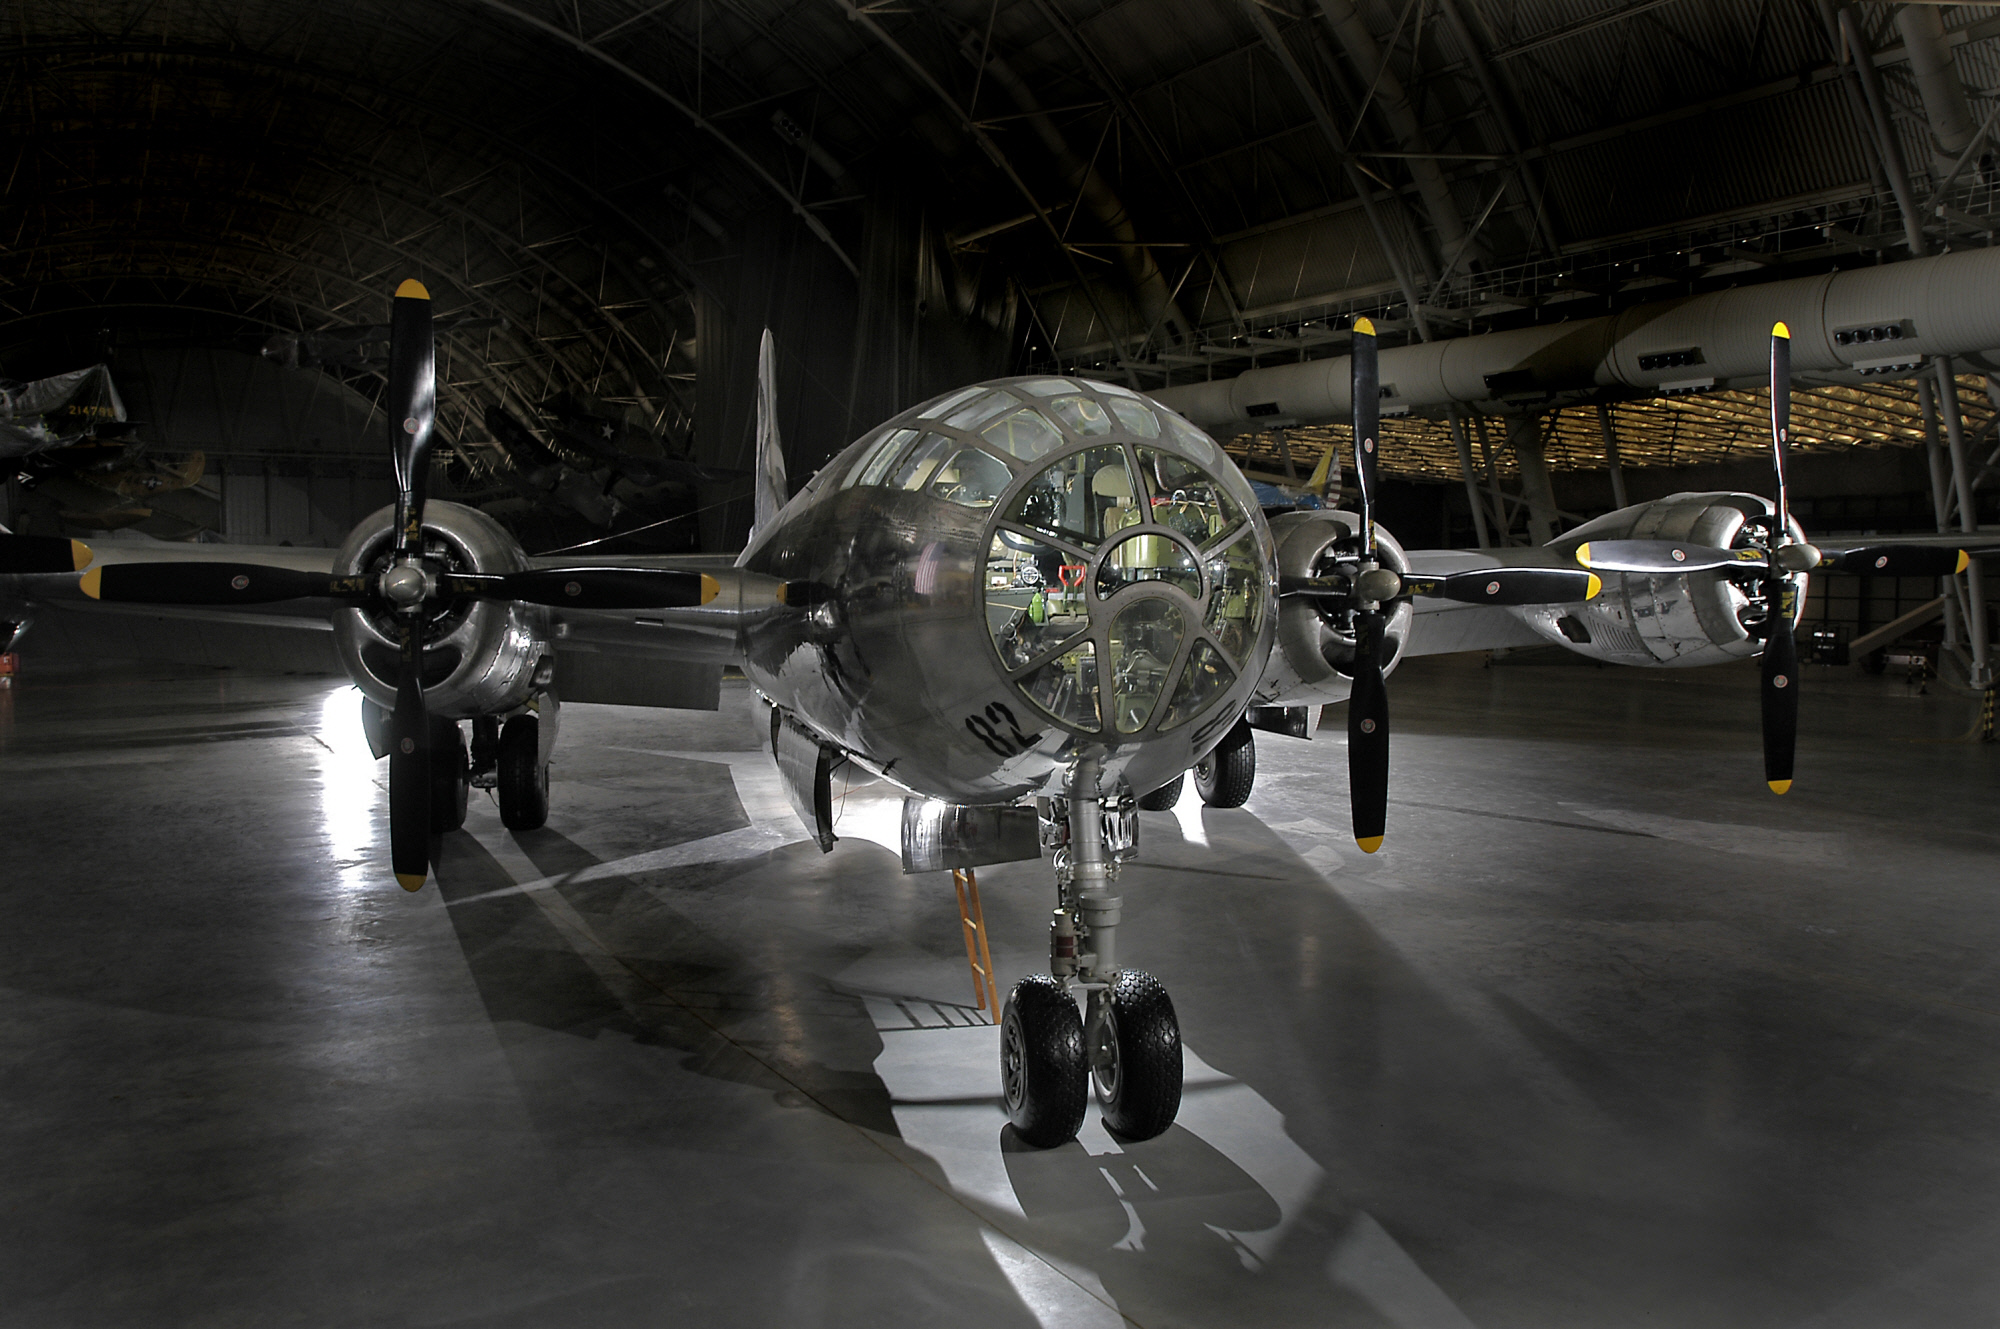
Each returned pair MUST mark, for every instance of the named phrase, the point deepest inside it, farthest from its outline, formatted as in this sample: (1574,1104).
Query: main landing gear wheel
(450,777)
(1135,1056)
(1166,796)
(1225,776)
(524,777)
(1042,1069)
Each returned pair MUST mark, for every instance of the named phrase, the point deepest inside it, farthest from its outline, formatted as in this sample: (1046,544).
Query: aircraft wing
(1443,626)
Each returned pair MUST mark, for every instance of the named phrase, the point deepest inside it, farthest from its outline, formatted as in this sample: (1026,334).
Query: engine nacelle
(1314,660)
(1685,619)
(481,657)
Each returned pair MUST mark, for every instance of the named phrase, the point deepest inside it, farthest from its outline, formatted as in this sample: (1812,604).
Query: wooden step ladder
(972,919)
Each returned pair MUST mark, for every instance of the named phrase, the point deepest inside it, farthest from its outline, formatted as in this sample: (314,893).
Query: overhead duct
(1848,327)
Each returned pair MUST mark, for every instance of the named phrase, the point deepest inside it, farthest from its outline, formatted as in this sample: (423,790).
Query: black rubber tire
(1225,776)
(523,783)
(1164,798)
(450,776)
(1135,1057)
(1043,1074)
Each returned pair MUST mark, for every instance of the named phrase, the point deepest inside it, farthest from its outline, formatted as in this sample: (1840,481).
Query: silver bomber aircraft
(1033,604)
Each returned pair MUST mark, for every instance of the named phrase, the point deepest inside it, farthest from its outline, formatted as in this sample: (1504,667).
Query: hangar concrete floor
(1605,1036)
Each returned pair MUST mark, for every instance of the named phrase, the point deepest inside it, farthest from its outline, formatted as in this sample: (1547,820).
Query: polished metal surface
(487,650)
(938,836)
(1315,646)
(1019,575)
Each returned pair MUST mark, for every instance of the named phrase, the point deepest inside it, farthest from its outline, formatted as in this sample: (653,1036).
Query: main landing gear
(1223,778)
(509,755)
(1127,1042)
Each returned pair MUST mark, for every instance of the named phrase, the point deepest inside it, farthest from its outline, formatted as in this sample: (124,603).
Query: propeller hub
(1377,585)
(405,585)
(1800,557)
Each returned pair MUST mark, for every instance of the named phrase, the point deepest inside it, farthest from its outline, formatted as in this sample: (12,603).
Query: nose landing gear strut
(1127,1043)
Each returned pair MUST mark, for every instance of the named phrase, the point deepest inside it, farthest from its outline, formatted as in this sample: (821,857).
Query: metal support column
(1524,434)
(1941,502)
(1472,495)
(1968,521)
(1890,149)
(1611,457)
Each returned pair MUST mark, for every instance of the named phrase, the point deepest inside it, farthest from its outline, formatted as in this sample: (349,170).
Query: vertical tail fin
(1324,482)
(772,489)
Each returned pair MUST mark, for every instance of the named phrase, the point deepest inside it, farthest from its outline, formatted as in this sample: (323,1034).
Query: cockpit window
(1046,387)
(1086,497)
(1083,416)
(1144,640)
(875,463)
(1066,687)
(1236,604)
(1024,434)
(1190,438)
(1187,498)
(922,465)
(979,412)
(1136,418)
(1148,558)
(1034,598)
(971,479)
(951,402)
(1206,677)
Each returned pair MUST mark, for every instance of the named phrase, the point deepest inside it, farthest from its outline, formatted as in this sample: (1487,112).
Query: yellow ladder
(972,918)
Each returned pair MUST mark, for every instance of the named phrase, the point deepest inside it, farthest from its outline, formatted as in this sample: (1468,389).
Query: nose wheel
(1042,1067)
(1135,1056)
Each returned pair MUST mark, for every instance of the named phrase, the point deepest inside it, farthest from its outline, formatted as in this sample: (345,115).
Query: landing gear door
(806,766)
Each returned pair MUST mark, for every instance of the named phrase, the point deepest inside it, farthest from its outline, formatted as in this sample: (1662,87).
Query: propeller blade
(215,584)
(1368,735)
(1510,586)
(1781,421)
(1897,560)
(1367,393)
(42,553)
(1780,694)
(410,768)
(412,408)
(590,588)
(1664,556)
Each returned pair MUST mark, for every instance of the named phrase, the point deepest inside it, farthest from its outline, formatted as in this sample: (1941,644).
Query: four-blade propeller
(410,587)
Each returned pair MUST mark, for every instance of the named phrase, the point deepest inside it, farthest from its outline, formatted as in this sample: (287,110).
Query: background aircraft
(1030,588)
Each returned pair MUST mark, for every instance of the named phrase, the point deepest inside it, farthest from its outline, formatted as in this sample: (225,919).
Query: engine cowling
(1685,619)
(481,657)
(1313,662)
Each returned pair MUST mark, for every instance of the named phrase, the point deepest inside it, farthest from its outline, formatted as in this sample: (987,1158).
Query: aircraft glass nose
(1124,584)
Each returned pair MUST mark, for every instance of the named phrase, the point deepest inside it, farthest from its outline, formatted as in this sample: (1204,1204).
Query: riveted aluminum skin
(497,643)
(1310,665)
(898,664)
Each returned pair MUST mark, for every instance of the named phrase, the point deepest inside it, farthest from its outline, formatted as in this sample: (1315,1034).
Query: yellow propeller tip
(412,290)
(411,881)
(1365,327)
(80,555)
(93,582)
(1369,843)
(1583,553)
(1964,559)
(1596,585)
(710,588)
(1780,330)
(1779,786)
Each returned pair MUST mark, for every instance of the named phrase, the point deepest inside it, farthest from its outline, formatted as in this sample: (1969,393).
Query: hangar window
(1136,418)
(1144,640)
(1066,687)
(1187,498)
(1085,497)
(1206,678)
(1024,434)
(972,479)
(875,463)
